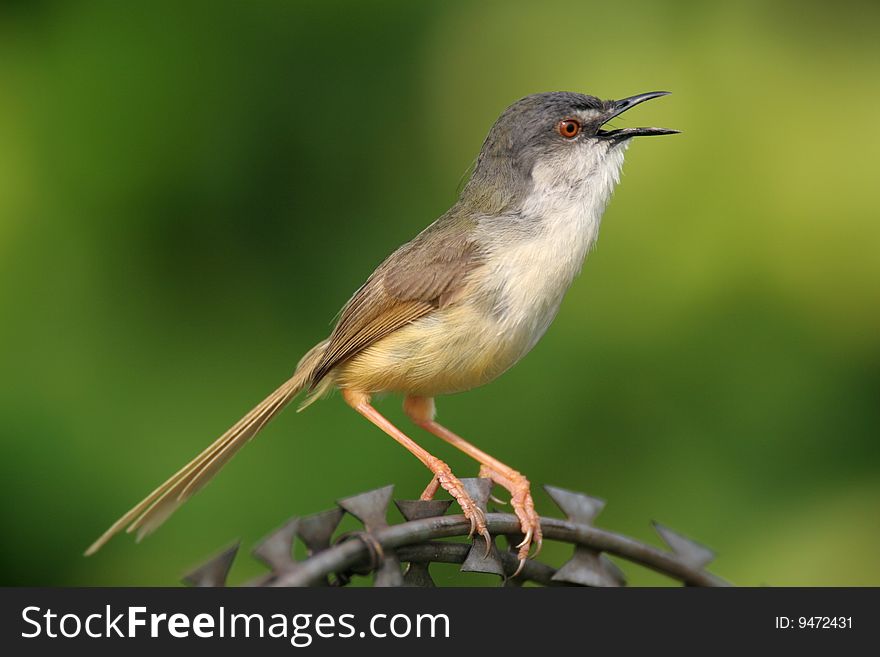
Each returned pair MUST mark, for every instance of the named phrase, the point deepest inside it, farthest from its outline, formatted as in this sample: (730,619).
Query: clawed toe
(524,508)
(478,521)
(488,538)
(477,518)
(472,512)
(539,542)
(497,500)
(532,539)
(527,540)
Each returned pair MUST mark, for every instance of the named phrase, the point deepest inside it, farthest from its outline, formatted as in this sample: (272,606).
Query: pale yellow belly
(451,350)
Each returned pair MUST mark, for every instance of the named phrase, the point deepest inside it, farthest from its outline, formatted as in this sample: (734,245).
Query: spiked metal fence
(380,549)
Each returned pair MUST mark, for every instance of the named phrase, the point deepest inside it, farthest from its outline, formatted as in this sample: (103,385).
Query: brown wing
(415,280)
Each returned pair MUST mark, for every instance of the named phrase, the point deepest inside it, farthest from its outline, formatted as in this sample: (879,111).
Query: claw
(538,545)
(478,521)
(497,500)
(522,563)
(475,514)
(488,538)
(526,540)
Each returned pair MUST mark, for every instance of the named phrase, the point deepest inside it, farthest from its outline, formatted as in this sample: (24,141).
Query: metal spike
(612,569)
(479,488)
(276,549)
(587,568)
(478,561)
(418,509)
(688,550)
(388,573)
(317,529)
(214,571)
(370,508)
(577,507)
(417,573)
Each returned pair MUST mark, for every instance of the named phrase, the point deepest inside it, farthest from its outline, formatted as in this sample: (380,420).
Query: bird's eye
(569,128)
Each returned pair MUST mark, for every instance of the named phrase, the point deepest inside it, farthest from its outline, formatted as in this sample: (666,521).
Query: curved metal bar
(441,552)
(345,555)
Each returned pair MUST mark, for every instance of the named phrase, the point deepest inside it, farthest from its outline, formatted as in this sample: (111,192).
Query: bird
(459,304)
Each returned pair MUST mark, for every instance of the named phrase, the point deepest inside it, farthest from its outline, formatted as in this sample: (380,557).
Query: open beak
(618,107)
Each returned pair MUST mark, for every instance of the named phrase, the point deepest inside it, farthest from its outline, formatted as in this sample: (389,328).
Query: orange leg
(443,476)
(421,410)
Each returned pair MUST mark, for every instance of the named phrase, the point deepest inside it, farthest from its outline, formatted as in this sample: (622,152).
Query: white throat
(560,220)
(569,197)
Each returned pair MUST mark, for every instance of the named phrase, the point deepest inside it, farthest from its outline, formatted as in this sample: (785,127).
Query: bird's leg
(442,474)
(421,410)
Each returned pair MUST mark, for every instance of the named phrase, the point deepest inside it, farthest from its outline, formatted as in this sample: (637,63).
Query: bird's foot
(443,478)
(524,508)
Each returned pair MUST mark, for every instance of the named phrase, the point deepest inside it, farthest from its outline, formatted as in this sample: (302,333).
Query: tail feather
(146,516)
(202,469)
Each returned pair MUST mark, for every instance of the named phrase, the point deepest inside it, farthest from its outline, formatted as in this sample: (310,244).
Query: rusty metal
(380,548)
(214,571)
(416,573)
(276,550)
(316,531)
(371,508)
(692,553)
(480,558)
(587,567)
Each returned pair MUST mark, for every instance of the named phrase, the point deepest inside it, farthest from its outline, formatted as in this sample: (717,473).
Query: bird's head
(556,139)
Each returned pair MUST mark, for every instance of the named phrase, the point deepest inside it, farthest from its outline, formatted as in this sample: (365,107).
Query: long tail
(167,498)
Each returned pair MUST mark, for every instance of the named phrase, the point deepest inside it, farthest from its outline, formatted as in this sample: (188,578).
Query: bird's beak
(618,107)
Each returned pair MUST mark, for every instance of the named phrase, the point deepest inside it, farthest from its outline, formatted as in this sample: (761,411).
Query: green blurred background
(189,191)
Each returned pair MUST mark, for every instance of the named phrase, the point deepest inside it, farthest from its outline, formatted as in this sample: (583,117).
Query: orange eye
(569,128)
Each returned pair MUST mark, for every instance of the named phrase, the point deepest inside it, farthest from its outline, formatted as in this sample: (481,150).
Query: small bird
(460,303)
